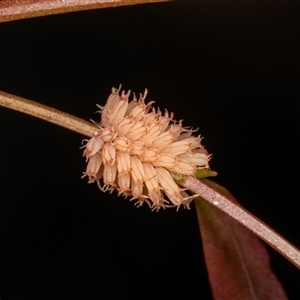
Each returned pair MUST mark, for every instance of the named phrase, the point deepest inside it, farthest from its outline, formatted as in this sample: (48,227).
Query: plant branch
(47,113)
(15,10)
(244,217)
(193,184)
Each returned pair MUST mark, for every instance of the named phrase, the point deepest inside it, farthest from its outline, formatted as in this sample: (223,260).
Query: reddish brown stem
(15,10)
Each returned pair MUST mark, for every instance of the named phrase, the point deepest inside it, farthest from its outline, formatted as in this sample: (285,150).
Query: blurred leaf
(15,10)
(202,173)
(237,261)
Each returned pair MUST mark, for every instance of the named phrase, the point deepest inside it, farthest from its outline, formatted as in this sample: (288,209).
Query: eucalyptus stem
(193,184)
(243,217)
(15,10)
(47,113)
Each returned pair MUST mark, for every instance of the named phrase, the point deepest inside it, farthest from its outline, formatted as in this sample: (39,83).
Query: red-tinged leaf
(237,261)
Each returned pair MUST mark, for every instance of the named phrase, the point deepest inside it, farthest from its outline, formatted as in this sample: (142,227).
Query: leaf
(202,173)
(15,10)
(238,263)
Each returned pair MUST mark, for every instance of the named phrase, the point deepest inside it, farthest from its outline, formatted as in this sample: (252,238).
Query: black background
(231,69)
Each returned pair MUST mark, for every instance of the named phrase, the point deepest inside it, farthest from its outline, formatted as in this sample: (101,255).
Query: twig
(238,213)
(15,10)
(47,113)
(245,218)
